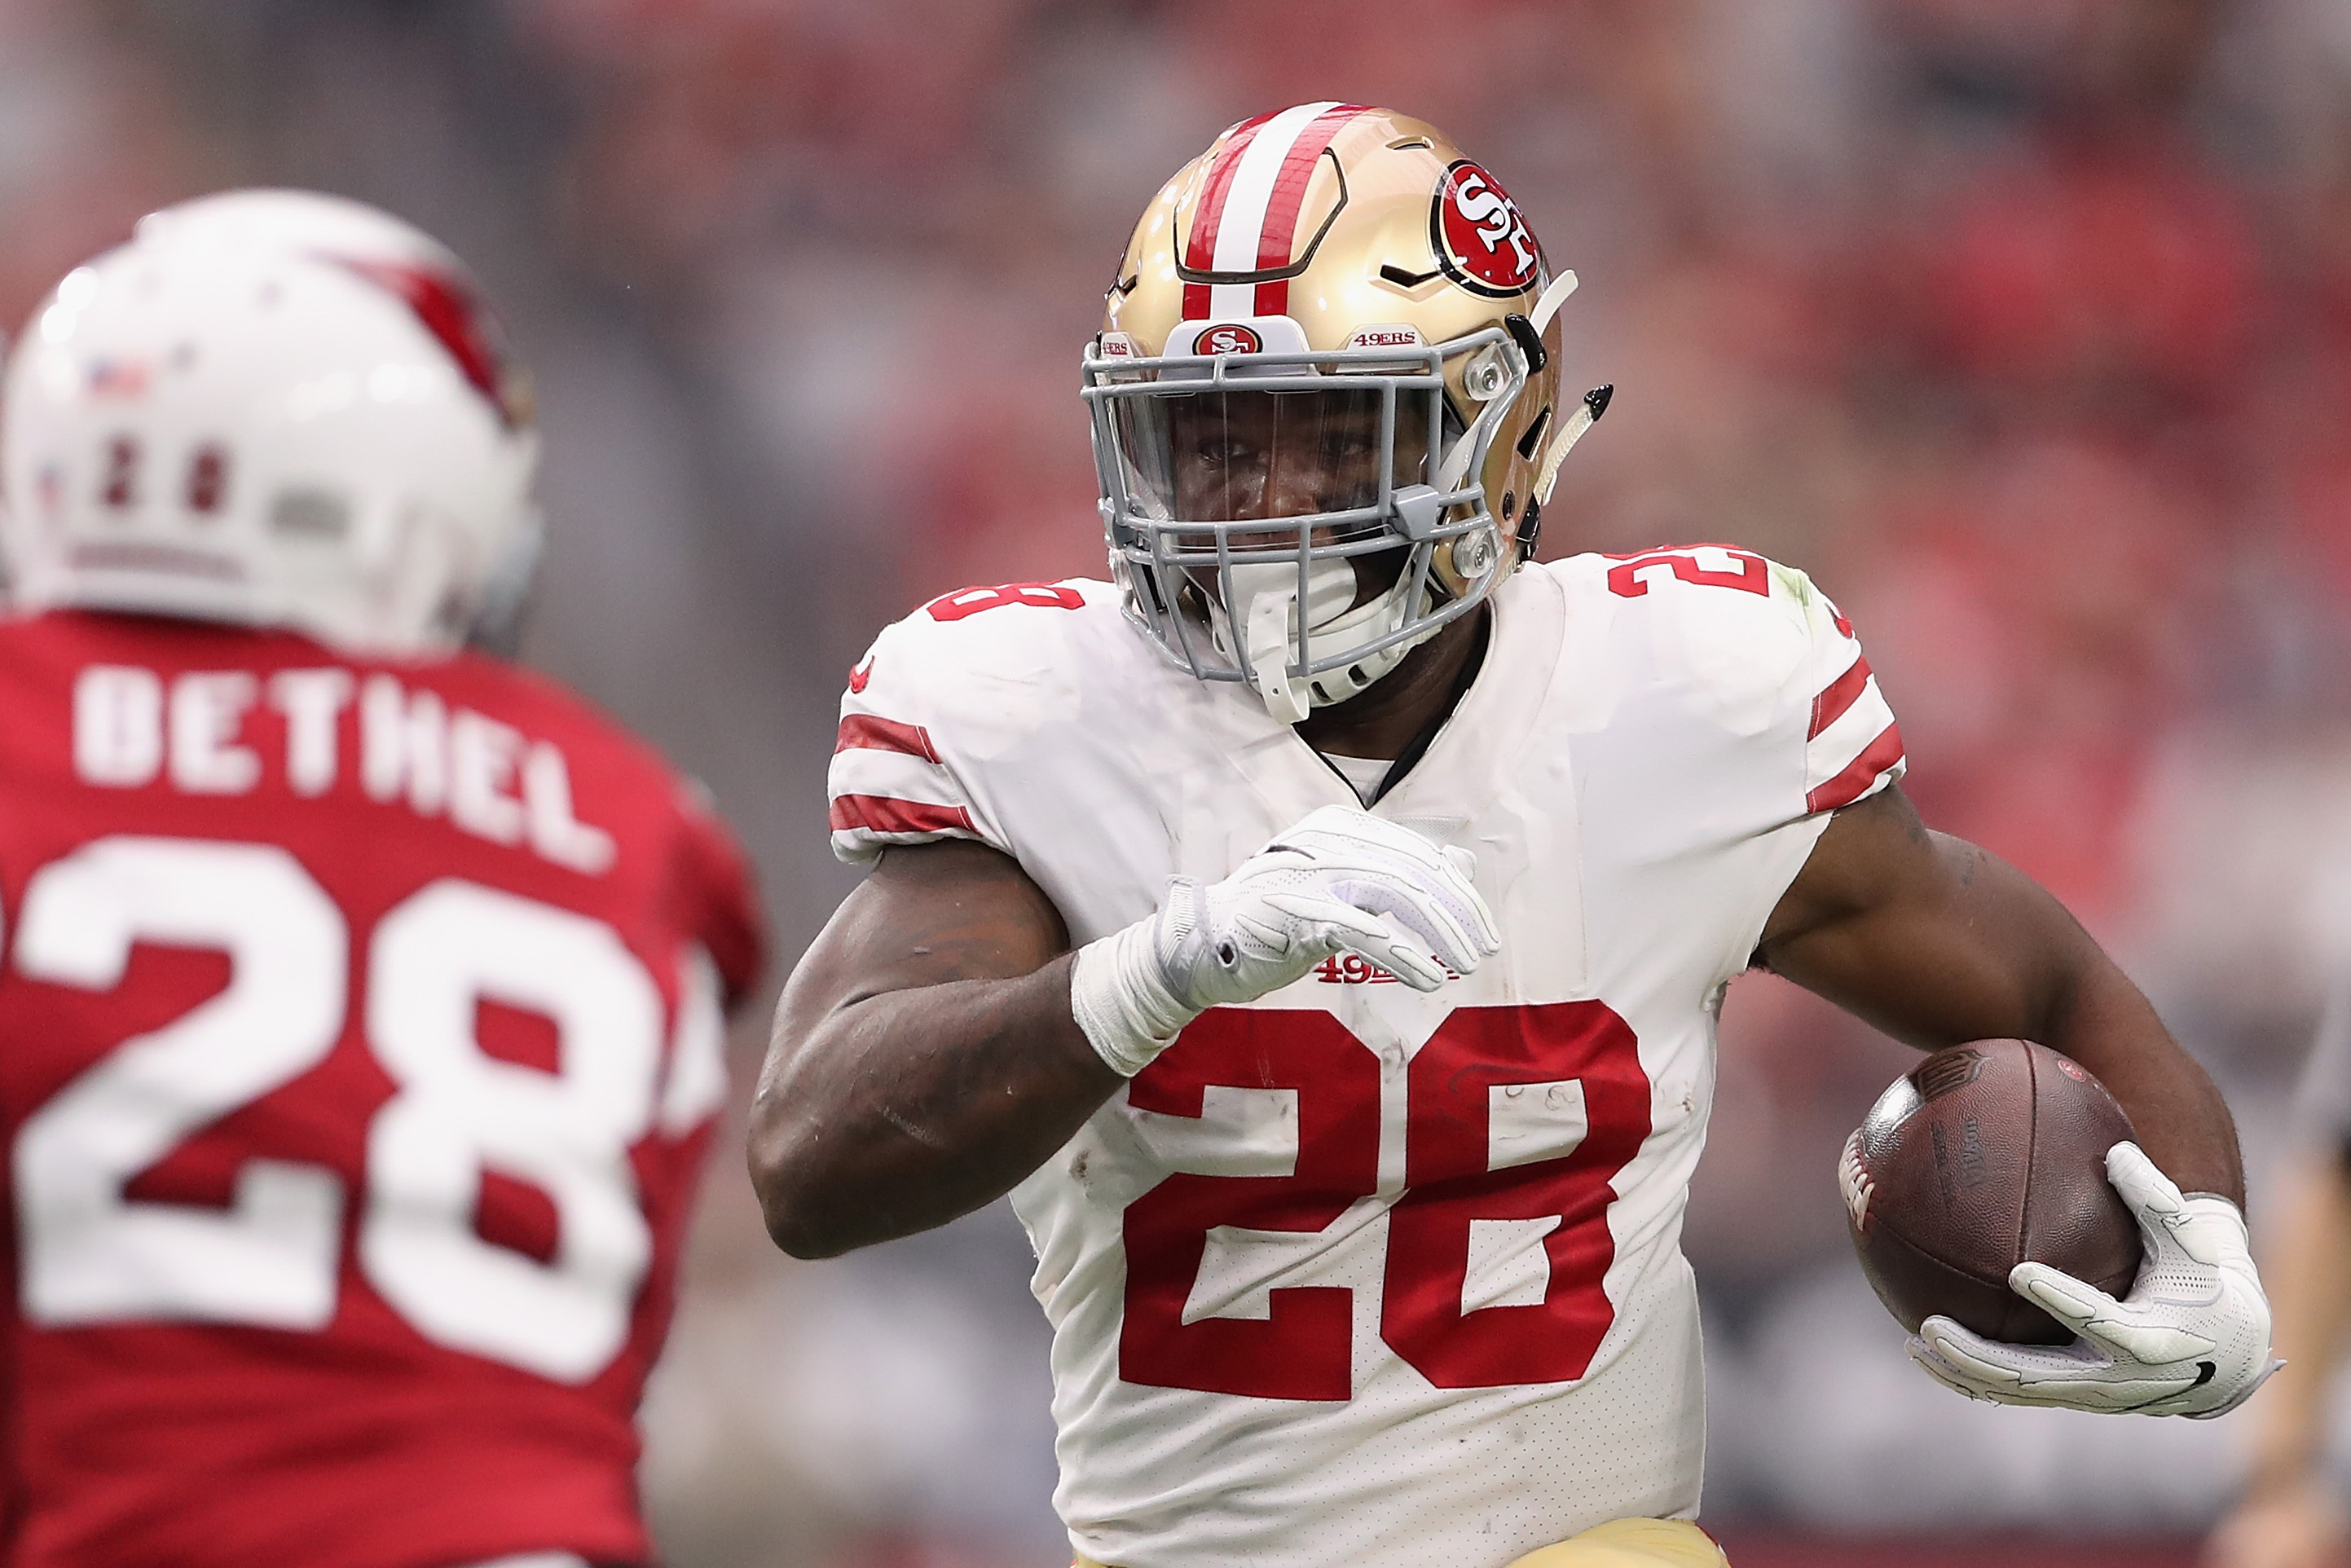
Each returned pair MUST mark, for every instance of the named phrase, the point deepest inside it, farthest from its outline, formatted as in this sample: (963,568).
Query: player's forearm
(2097,1016)
(1937,942)
(905,1110)
(2014,962)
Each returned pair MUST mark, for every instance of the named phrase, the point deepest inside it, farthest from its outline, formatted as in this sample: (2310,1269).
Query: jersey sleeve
(1766,712)
(1853,746)
(921,714)
(1735,712)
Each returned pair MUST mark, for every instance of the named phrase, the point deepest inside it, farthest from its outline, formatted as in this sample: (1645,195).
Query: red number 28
(1302,1348)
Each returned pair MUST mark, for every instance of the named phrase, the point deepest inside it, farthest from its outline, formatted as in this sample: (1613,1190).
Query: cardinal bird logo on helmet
(449,309)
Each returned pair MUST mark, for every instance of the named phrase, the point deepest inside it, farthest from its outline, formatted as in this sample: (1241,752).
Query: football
(1982,1157)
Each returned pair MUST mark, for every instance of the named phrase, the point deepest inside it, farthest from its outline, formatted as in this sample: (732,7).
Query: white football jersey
(1354,1275)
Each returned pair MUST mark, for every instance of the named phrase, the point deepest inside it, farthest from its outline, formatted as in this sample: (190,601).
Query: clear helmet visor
(1282,458)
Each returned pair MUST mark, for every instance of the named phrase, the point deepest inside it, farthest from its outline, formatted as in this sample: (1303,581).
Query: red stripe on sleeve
(871,732)
(1288,199)
(1841,693)
(888,814)
(1860,773)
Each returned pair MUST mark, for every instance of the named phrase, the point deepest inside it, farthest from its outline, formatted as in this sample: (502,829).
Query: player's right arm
(925,1059)
(940,1039)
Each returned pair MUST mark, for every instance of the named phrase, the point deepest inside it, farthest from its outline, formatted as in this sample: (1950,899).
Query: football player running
(1319,928)
(363,1003)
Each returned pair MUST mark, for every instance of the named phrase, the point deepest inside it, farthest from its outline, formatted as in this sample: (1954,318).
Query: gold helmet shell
(1371,220)
(1360,258)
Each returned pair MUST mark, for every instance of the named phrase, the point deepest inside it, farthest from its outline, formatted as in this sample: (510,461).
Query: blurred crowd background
(2024,324)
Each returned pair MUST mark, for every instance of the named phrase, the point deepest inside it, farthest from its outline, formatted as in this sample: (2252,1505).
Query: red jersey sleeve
(726,916)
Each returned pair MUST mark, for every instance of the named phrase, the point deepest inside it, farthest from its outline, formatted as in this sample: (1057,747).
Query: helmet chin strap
(1265,608)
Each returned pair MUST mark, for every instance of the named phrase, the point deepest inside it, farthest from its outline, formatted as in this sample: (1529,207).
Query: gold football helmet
(1325,400)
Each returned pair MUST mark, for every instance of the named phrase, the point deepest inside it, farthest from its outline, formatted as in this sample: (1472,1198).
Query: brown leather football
(1982,1157)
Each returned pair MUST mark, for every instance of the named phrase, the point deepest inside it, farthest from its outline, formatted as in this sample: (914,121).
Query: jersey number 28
(1517,1120)
(272,1257)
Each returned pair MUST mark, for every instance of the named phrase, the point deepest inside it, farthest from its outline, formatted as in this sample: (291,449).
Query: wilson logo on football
(1478,234)
(1232,340)
(1352,969)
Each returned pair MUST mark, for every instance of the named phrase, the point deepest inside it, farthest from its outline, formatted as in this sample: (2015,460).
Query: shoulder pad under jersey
(1757,648)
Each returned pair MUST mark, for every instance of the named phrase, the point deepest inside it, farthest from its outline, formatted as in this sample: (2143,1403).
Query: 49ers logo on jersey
(1232,339)
(1352,969)
(1478,234)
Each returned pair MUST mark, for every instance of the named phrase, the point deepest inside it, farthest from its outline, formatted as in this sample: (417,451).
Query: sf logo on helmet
(1233,340)
(1478,234)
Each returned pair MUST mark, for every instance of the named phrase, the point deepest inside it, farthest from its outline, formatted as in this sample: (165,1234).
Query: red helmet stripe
(1288,198)
(1200,248)
(1249,205)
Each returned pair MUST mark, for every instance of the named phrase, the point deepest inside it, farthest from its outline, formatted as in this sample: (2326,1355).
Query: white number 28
(271,1256)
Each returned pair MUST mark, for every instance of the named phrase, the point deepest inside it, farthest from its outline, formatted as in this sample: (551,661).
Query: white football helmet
(274,408)
(1325,400)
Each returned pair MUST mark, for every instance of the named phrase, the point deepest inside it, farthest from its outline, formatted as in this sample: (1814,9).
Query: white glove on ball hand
(1340,880)
(2191,1339)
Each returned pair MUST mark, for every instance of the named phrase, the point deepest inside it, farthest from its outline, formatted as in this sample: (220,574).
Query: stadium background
(2024,325)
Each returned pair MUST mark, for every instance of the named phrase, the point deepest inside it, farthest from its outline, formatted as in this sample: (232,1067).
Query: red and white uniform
(1354,1275)
(360,1033)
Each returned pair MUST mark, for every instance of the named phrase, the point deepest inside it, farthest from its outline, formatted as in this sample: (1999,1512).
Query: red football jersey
(360,1033)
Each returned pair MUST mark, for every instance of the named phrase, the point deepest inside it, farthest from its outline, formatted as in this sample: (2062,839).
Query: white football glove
(2192,1338)
(1340,880)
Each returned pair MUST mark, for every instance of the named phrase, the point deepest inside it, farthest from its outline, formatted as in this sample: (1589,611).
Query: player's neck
(1411,698)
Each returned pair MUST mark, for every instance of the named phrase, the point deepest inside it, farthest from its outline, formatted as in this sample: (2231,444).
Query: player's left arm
(1937,942)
